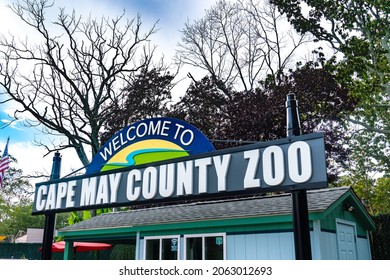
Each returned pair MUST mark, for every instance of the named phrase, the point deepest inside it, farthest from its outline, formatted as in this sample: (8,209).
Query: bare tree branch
(239,43)
(64,83)
(368,127)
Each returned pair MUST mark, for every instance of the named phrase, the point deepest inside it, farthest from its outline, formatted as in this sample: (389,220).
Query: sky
(171,16)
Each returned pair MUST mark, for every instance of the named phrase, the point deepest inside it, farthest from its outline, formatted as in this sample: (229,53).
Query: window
(162,248)
(205,247)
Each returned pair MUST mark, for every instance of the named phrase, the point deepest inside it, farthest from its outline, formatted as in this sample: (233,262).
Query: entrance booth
(258,228)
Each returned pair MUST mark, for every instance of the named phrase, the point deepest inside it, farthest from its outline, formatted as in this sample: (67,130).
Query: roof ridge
(328,189)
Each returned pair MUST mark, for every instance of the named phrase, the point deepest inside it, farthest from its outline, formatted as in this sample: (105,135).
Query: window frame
(160,238)
(204,236)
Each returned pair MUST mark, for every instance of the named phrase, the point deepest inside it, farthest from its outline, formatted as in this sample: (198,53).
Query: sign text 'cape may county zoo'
(281,165)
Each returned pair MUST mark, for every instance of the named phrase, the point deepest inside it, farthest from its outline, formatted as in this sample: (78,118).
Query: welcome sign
(148,141)
(280,165)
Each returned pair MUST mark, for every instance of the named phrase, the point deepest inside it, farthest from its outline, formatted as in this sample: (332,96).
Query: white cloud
(31,159)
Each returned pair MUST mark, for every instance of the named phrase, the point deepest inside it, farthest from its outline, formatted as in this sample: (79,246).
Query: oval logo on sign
(150,140)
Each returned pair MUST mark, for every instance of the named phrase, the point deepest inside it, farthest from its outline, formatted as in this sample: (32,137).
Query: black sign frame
(317,180)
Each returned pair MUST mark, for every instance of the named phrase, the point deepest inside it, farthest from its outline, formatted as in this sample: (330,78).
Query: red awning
(59,247)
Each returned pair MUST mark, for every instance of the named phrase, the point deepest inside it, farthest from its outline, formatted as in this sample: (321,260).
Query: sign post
(299,197)
(50,218)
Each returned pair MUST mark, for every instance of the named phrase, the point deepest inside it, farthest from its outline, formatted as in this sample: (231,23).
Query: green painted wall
(329,222)
(254,224)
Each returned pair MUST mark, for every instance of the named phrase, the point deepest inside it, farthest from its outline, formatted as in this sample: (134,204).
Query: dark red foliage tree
(147,95)
(259,115)
(228,117)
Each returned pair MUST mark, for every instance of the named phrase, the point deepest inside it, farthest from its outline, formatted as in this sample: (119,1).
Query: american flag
(4,163)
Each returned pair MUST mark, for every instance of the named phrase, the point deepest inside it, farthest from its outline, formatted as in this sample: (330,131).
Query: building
(33,235)
(257,228)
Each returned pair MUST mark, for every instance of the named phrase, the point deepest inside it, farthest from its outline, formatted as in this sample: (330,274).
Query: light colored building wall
(260,246)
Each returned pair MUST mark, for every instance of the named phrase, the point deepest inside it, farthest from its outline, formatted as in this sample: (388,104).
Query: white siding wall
(141,249)
(363,249)
(279,246)
(328,245)
(260,246)
(329,249)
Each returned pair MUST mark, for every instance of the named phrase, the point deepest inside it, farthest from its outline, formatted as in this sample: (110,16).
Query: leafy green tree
(359,34)
(382,198)
(16,187)
(358,29)
(374,192)
(368,171)
(17,218)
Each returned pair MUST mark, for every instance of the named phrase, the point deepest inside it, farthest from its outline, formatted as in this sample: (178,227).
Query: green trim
(359,214)
(335,232)
(68,252)
(97,234)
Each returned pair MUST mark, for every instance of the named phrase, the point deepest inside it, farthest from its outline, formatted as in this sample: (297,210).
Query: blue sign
(147,141)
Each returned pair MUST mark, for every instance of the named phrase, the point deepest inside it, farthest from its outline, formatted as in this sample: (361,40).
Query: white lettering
(61,193)
(133,192)
(138,130)
(149,182)
(165,128)
(128,133)
(191,137)
(88,191)
(273,166)
(179,127)
(154,129)
(114,186)
(70,194)
(51,197)
(102,191)
(299,162)
(184,178)
(253,158)
(40,202)
(116,143)
(202,178)
(166,182)
(106,152)
(123,141)
(221,168)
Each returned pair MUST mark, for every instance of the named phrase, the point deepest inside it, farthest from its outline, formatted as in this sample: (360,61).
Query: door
(346,241)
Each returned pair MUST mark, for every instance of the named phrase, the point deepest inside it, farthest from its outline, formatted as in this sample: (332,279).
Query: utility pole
(50,218)
(299,197)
